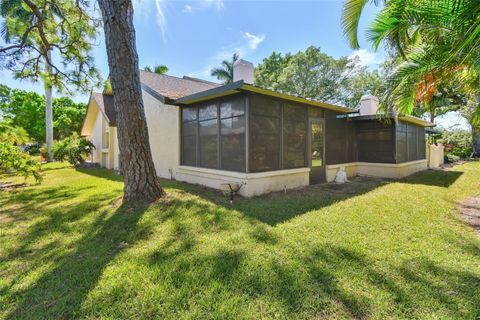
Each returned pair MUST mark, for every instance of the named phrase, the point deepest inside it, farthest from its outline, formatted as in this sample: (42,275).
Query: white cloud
(144,8)
(253,40)
(203,74)
(195,5)
(161,19)
(364,57)
(218,4)
(247,44)
(187,8)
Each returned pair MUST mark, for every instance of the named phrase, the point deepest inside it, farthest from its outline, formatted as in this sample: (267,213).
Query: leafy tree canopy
(160,69)
(314,74)
(57,33)
(26,109)
(12,134)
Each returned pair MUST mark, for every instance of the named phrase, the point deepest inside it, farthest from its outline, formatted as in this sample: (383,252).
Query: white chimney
(243,70)
(368,105)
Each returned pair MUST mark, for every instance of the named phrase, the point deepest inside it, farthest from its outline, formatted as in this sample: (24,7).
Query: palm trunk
(48,110)
(139,175)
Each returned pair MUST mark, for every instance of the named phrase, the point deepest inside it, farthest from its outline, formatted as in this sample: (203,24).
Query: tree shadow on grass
(101,173)
(319,283)
(36,199)
(60,292)
(278,207)
(435,178)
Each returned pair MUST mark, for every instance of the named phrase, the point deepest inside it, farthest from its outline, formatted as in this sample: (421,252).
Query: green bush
(73,149)
(458,144)
(449,157)
(13,160)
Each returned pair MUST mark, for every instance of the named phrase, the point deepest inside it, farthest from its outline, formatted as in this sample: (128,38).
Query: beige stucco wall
(383,170)
(436,156)
(163,131)
(114,148)
(252,183)
(107,158)
(164,135)
(96,138)
(331,170)
(393,171)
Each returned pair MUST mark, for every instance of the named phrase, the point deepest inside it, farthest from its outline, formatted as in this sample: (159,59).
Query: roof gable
(98,104)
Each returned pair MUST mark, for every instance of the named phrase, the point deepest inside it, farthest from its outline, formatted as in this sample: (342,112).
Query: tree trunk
(432,114)
(48,109)
(139,175)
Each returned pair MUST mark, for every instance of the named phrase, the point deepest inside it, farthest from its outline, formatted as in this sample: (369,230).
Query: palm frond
(351,13)
(225,71)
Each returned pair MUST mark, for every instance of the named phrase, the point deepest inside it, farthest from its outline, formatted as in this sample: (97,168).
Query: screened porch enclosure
(251,133)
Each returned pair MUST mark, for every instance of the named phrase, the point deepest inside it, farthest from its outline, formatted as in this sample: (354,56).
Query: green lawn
(375,250)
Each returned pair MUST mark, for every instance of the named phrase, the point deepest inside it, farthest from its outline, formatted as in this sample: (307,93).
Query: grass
(371,249)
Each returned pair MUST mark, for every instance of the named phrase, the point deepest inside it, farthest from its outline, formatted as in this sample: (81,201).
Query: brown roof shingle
(168,86)
(172,87)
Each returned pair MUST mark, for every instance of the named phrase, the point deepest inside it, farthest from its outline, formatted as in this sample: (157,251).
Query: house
(209,134)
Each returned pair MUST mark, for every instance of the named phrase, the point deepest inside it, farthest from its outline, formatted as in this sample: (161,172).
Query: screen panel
(412,142)
(233,143)
(208,143)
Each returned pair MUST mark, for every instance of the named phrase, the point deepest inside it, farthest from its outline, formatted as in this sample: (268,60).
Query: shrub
(13,160)
(449,157)
(13,134)
(458,144)
(73,149)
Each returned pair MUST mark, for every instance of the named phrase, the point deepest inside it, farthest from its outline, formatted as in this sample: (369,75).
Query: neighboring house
(204,133)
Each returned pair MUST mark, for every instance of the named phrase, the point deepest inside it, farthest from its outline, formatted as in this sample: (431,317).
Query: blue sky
(191,37)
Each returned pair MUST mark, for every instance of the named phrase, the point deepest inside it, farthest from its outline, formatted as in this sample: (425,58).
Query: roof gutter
(239,86)
(225,90)
(416,120)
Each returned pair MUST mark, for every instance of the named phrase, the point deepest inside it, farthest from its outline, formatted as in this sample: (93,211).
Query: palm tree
(49,41)
(225,72)
(160,69)
(437,43)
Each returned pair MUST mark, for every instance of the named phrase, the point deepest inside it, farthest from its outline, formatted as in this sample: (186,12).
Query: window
(401,138)
(208,143)
(189,136)
(213,135)
(233,135)
(412,142)
(208,136)
(106,137)
(265,134)
(421,143)
(294,136)
(375,142)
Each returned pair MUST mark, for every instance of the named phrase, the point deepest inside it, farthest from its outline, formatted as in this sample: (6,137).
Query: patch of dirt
(10,186)
(470,211)
(87,165)
(5,219)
